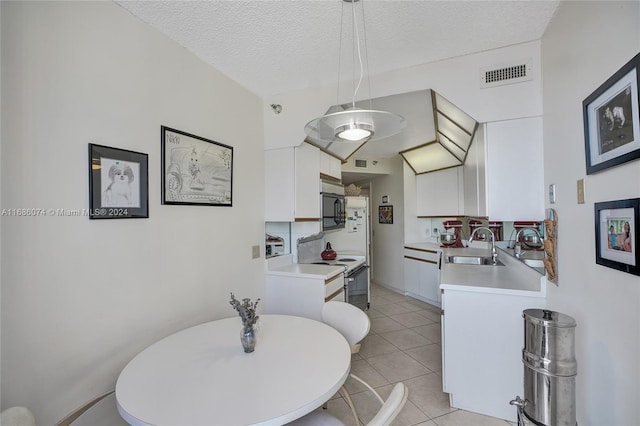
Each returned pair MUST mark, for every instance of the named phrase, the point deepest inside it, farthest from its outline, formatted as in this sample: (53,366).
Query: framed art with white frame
(617,234)
(612,120)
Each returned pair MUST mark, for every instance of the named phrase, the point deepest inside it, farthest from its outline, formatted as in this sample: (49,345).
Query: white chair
(389,411)
(73,416)
(354,325)
(349,320)
(17,416)
(21,416)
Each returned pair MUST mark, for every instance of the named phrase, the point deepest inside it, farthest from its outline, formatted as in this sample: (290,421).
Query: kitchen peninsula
(482,329)
(300,289)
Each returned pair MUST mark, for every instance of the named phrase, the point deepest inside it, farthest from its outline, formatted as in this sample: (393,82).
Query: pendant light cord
(357,37)
(340,54)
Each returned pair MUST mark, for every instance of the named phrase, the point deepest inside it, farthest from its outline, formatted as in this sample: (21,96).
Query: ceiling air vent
(500,75)
(361,164)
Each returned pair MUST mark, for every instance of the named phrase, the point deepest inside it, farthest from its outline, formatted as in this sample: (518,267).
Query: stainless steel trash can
(550,369)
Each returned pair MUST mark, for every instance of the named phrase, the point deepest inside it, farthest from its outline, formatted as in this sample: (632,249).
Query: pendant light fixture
(351,124)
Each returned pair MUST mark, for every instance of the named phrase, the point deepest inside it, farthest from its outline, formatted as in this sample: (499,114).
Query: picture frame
(118,183)
(385,214)
(385,199)
(617,235)
(612,120)
(195,171)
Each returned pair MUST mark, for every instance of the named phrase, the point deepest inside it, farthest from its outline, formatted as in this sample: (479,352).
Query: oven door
(332,211)
(357,287)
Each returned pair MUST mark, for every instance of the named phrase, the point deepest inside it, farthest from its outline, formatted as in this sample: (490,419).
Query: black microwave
(333,216)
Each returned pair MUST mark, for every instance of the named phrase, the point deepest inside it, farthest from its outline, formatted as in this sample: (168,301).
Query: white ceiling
(277,46)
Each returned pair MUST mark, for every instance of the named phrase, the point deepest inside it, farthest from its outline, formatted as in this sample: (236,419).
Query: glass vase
(248,338)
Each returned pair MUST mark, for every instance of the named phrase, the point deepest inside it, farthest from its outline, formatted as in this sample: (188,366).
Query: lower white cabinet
(482,340)
(301,296)
(422,274)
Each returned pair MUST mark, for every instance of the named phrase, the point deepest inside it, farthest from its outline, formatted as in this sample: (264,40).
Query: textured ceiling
(275,46)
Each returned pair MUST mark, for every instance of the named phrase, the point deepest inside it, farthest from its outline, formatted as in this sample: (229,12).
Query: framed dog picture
(612,120)
(195,170)
(118,183)
(385,214)
(617,235)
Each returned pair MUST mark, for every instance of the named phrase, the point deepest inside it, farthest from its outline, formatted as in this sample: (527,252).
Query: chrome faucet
(517,247)
(494,253)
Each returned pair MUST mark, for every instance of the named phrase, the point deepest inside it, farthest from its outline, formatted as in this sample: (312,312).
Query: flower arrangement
(246,310)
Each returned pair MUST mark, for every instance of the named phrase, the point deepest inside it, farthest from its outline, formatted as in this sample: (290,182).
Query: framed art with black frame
(617,234)
(611,120)
(118,183)
(385,214)
(195,170)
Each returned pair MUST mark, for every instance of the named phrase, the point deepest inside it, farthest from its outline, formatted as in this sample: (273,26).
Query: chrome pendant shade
(353,125)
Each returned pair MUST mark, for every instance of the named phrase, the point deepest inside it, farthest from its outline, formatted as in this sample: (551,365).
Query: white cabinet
(482,340)
(440,193)
(292,184)
(330,166)
(515,173)
(475,193)
(422,274)
(302,296)
(307,182)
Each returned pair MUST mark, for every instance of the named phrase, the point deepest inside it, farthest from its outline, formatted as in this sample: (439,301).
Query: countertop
(514,277)
(284,266)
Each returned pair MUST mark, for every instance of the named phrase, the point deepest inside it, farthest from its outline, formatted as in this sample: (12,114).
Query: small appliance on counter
(274,245)
(454,228)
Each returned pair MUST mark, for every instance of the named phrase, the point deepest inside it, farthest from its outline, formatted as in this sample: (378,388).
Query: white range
(356,275)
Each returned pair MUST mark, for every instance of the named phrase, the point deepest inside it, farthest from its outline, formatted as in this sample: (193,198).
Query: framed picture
(118,183)
(611,120)
(385,214)
(195,170)
(385,199)
(617,235)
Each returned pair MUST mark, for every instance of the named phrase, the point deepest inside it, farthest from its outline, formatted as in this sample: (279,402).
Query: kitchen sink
(534,263)
(472,260)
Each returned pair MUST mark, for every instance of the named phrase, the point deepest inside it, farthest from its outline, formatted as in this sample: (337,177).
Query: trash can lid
(548,317)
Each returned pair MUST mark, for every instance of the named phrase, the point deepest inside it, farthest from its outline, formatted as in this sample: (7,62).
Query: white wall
(457,79)
(80,298)
(584,45)
(388,239)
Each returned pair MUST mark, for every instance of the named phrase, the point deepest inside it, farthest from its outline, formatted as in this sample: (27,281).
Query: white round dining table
(201,376)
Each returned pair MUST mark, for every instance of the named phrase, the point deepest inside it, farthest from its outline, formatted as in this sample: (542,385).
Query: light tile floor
(403,345)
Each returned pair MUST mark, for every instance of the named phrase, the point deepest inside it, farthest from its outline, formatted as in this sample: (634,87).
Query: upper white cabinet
(330,166)
(502,178)
(440,193)
(475,193)
(292,181)
(515,173)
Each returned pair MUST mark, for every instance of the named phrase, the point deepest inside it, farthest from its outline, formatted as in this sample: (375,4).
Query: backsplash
(290,232)
(507,233)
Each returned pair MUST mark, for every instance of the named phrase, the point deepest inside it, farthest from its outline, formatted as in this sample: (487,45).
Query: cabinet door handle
(336,212)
